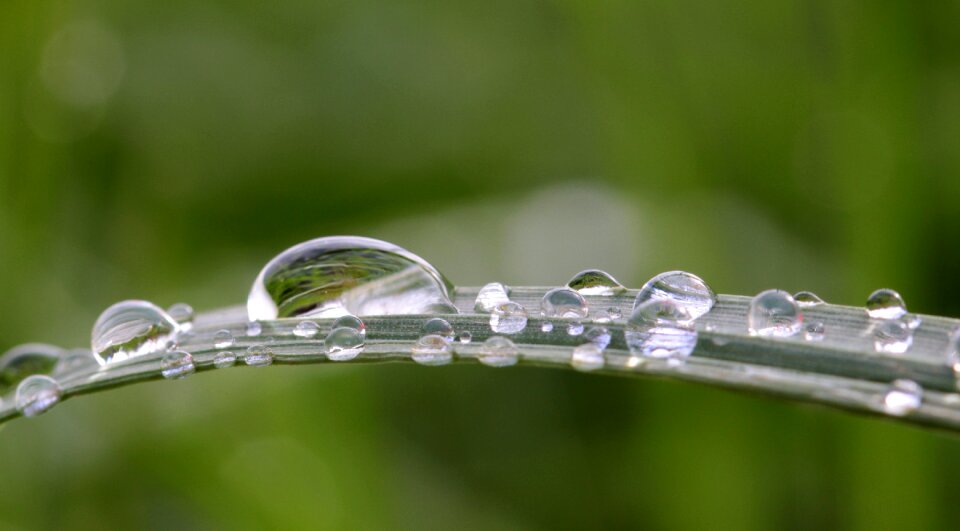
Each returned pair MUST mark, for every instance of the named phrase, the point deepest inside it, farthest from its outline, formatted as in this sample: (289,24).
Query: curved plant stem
(841,370)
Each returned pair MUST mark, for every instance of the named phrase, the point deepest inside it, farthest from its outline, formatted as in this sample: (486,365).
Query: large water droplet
(37,394)
(343,344)
(807,299)
(433,350)
(177,364)
(439,327)
(893,336)
(508,318)
(661,329)
(334,276)
(490,296)
(902,397)
(774,313)
(686,290)
(498,351)
(595,282)
(258,356)
(587,357)
(23,361)
(131,328)
(886,304)
(563,302)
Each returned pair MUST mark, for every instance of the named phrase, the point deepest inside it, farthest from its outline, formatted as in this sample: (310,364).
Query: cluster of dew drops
(661,326)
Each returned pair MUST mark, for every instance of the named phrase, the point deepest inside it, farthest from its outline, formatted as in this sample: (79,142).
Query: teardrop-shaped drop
(807,299)
(23,361)
(339,275)
(686,290)
(595,282)
(131,328)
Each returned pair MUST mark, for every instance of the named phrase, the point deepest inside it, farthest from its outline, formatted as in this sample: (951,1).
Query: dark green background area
(167,150)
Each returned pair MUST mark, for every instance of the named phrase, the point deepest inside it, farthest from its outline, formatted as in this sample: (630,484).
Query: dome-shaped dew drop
(340,275)
(686,290)
(131,328)
(24,361)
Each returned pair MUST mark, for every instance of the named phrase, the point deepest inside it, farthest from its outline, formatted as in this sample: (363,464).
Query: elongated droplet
(564,303)
(902,398)
(182,313)
(490,296)
(508,318)
(587,357)
(351,321)
(223,339)
(343,344)
(258,356)
(432,350)
(334,276)
(599,335)
(886,304)
(498,351)
(177,364)
(306,329)
(595,282)
(224,359)
(439,327)
(37,394)
(774,313)
(661,329)
(686,290)
(807,299)
(893,336)
(131,328)
(24,361)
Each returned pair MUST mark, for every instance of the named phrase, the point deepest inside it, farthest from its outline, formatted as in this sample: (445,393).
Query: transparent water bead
(546,327)
(223,339)
(339,275)
(75,362)
(564,303)
(661,329)
(351,321)
(306,329)
(131,328)
(814,331)
(432,350)
(587,357)
(24,361)
(886,304)
(254,329)
(575,328)
(953,354)
(600,335)
(258,356)
(183,314)
(508,318)
(774,313)
(465,337)
(893,336)
(807,299)
(902,398)
(490,296)
(224,359)
(344,344)
(686,290)
(498,351)
(595,282)
(177,364)
(37,394)
(439,327)
(614,313)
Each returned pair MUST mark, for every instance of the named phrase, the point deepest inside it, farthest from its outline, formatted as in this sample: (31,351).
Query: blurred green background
(166,150)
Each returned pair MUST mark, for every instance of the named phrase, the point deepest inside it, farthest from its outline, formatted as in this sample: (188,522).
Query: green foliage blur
(166,150)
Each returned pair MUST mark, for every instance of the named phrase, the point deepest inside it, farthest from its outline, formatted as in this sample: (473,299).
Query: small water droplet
(814,331)
(563,302)
(807,299)
(886,304)
(902,397)
(547,327)
(601,317)
(131,328)
(575,328)
(953,354)
(893,336)
(439,327)
(344,344)
(599,335)
(351,321)
(466,337)
(614,313)
(224,359)
(661,329)
(587,357)
(37,394)
(508,318)
(433,350)
(254,329)
(774,313)
(339,275)
(498,351)
(176,364)
(686,290)
(595,282)
(75,362)
(258,356)
(183,314)
(223,339)
(490,296)
(306,329)
(23,361)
